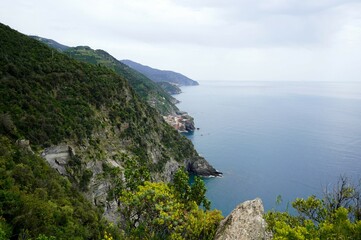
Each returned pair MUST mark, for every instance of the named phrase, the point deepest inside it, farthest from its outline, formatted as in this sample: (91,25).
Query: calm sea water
(275,138)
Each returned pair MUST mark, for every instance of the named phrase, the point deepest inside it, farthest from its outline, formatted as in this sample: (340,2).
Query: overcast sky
(318,40)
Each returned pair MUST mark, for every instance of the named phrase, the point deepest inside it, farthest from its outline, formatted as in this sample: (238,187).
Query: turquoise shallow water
(275,138)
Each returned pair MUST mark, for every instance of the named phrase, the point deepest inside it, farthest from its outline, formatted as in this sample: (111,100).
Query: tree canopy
(335,216)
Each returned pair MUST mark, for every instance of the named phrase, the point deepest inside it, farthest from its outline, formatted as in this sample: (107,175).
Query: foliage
(48,97)
(143,86)
(5,229)
(161,211)
(34,199)
(135,174)
(185,192)
(335,216)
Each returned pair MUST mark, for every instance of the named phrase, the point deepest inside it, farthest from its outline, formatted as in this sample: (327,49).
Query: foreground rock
(245,222)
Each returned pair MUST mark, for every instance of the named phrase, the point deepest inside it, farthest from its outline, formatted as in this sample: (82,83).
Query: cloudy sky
(317,40)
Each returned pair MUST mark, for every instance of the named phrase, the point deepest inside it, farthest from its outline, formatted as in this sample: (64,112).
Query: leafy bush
(335,216)
(167,211)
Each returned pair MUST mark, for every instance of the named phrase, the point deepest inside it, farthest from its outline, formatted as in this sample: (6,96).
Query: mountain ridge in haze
(161,75)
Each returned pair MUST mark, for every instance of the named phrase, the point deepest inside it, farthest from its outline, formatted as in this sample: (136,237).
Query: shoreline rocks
(200,167)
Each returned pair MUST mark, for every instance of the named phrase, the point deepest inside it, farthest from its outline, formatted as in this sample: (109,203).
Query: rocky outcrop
(78,163)
(200,167)
(245,222)
(61,157)
(24,144)
(58,157)
(171,167)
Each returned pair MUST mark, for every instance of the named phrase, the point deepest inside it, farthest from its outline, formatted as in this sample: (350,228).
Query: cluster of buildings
(180,121)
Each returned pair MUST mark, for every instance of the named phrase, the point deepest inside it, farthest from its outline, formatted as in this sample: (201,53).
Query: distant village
(180,121)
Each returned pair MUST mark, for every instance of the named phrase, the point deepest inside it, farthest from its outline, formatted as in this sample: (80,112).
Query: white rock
(245,222)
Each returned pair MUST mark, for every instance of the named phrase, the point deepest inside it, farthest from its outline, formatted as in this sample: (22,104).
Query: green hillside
(144,87)
(35,200)
(89,124)
(48,98)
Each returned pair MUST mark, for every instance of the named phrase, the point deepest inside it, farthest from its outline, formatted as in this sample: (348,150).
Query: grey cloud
(208,38)
(242,24)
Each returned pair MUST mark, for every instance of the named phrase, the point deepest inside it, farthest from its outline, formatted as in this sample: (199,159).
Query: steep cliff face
(245,222)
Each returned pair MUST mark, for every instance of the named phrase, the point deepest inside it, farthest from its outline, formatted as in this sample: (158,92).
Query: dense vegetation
(144,87)
(35,200)
(51,98)
(48,97)
(166,211)
(336,216)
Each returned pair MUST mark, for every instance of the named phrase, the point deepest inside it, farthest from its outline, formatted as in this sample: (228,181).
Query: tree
(135,174)
(168,211)
(335,216)
(154,212)
(195,192)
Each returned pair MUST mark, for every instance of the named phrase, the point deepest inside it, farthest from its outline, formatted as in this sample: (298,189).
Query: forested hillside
(87,123)
(148,90)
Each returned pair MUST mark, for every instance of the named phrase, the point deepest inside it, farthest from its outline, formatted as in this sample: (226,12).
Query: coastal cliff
(85,120)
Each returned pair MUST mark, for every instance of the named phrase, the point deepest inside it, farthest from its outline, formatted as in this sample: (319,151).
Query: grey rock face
(58,157)
(170,168)
(200,167)
(245,222)
(97,190)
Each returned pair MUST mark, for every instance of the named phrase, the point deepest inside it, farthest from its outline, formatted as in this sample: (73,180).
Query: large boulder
(245,222)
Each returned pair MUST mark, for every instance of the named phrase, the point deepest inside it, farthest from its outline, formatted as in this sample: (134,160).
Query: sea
(272,140)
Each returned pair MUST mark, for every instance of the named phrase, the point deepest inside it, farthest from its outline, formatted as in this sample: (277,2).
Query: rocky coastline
(200,167)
